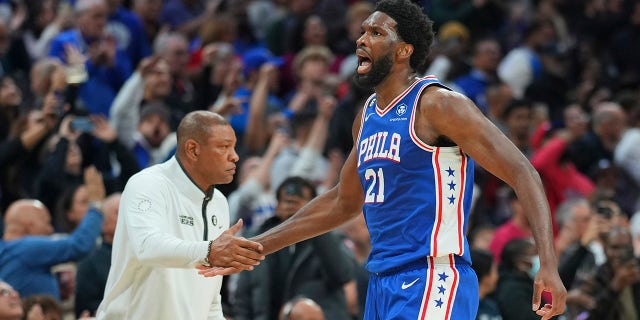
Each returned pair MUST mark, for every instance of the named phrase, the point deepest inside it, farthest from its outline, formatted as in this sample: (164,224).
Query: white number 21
(378,179)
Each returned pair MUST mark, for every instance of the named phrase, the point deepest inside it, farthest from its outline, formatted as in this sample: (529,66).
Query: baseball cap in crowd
(453,30)
(158,109)
(253,59)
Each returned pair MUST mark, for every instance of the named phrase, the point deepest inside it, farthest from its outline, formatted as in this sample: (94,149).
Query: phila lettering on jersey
(417,196)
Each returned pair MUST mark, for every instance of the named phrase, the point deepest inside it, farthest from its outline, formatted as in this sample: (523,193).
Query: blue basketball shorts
(440,288)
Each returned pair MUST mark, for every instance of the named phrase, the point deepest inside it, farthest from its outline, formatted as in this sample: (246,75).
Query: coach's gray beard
(379,70)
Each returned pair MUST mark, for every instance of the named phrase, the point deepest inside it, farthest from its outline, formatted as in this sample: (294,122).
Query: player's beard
(379,71)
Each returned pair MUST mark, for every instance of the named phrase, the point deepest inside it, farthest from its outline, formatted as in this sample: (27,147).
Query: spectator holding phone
(615,286)
(19,152)
(74,149)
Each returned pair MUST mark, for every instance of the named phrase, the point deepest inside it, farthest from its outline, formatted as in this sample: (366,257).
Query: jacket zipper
(207,197)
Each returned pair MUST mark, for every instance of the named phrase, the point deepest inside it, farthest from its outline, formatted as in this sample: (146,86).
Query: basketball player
(411,173)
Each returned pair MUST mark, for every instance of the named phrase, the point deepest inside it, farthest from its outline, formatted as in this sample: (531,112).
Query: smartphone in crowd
(82,124)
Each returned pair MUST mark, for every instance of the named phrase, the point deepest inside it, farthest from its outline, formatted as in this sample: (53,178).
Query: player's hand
(548,279)
(230,253)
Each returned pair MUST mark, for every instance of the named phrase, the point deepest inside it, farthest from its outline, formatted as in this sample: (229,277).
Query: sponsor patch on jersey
(186,220)
(401,109)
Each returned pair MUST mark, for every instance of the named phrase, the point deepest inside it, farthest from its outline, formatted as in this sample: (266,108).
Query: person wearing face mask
(519,266)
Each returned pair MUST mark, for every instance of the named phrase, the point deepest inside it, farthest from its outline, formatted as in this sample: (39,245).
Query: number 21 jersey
(417,196)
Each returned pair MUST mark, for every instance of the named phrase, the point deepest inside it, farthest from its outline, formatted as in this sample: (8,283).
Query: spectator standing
(607,125)
(615,286)
(627,157)
(128,32)
(148,11)
(560,177)
(154,142)
(518,121)
(485,58)
(43,22)
(107,66)
(92,271)
(317,268)
(186,16)
(522,64)
(253,201)
(71,207)
(28,251)
(578,238)
(261,85)
(150,84)
(174,49)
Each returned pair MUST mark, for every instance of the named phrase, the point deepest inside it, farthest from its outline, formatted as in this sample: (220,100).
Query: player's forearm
(322,214)
(530,192)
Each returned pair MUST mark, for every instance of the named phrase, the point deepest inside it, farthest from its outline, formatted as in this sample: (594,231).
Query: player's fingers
(537,293)
(556,308)
(236,257)
(241,266)
(248,256)
(545,312)
(250,249)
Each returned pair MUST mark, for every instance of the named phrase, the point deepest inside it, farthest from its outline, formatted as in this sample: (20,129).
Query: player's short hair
(413,27)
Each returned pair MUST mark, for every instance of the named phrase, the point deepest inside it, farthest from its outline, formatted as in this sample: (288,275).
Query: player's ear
(405,51)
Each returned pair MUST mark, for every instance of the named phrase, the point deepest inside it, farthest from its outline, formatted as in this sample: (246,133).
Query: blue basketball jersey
(417,196)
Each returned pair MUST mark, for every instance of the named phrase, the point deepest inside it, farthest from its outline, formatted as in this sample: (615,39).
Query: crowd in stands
(92,91)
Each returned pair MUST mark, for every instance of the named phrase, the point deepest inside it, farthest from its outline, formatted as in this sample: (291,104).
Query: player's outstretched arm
(325,212)
(322,214)
(449,114)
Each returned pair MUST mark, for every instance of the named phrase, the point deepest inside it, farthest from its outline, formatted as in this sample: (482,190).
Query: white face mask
(535,266)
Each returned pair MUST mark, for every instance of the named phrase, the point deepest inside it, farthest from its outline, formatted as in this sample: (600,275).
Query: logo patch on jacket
(186,220)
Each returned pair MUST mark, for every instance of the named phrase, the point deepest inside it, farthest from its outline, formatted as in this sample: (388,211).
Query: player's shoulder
(440,97)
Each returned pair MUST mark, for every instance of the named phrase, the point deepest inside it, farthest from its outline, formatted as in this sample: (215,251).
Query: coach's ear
(192,149)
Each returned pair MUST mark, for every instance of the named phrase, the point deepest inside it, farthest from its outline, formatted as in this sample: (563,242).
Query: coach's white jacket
(164,225)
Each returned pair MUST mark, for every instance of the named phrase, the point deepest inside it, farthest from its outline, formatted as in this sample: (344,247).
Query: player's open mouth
(364,62)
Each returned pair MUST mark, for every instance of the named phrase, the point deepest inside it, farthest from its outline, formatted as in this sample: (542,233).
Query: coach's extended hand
(231,254)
